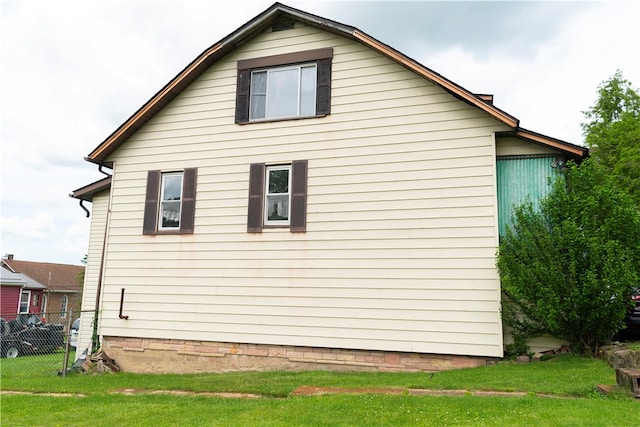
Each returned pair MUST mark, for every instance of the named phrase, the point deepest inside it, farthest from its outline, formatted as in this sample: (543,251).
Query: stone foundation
(146,355)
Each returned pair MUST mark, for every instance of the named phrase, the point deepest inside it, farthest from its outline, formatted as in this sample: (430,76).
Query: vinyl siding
(10,301)
(99,212)
(510,146)
(399,252)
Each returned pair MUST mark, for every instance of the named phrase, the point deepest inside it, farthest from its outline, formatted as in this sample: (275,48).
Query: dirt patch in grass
(315,391)
(29,393)
(302,391)
(134,391)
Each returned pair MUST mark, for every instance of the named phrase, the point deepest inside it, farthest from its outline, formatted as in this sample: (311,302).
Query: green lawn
(91,401)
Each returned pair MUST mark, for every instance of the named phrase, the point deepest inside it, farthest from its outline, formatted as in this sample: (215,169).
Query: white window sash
(163,202)
(269,196)
(268,99)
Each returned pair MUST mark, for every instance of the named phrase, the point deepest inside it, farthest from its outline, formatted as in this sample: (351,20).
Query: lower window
(277,196)
(170,202)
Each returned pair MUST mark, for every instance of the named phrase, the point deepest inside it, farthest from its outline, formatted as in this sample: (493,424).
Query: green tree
(569,267)
(612,131)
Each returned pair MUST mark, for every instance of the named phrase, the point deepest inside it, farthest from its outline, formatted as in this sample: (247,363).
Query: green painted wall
(519,178)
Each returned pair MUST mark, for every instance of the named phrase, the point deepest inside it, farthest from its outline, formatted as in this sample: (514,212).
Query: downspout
(83,208)
(100,166)
(95,342)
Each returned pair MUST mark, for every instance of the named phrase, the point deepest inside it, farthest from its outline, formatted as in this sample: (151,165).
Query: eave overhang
(87,192)
(573,151)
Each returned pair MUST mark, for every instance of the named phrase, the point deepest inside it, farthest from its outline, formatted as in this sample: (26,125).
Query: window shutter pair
(323,86)
(188,208)
(255,215)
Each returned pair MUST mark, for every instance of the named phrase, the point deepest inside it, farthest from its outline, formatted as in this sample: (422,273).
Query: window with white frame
(64,302)
(287,86)
(25,297)
(277,195)
(170,201)
(283,92)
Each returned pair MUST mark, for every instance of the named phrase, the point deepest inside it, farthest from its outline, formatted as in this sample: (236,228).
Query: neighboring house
(19,294)
(11,286)
(303,196)
(59,291)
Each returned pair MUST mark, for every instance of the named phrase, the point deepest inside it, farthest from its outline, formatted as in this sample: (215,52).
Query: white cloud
(549,89)
(38,226)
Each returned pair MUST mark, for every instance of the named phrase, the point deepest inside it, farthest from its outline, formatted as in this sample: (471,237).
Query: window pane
(171,214)
(258,106)
(279,181)
(282,93)
(278,207)
(172,187)
(258,95)
(308,91)
(259,82)
(170,203)
(24,301)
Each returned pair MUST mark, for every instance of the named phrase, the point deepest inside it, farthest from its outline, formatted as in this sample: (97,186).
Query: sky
(72,71)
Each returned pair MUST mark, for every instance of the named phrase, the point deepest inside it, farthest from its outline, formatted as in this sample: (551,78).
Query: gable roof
(54,277)
(263,21)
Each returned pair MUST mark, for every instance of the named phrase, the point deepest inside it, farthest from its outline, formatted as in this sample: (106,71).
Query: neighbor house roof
(54,277)
(100,154)
(9,278)
(19,279)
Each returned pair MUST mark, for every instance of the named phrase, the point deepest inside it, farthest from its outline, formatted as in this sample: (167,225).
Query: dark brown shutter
(323,91)
(242,95)
(187,215)
(256,198)
(299,196)
(151,203)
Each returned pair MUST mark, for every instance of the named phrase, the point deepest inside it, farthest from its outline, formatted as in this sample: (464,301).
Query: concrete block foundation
(148,355)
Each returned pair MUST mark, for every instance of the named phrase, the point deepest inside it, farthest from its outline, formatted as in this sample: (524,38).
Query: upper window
(278,196)
(283,92)
(284,86)
(170,202)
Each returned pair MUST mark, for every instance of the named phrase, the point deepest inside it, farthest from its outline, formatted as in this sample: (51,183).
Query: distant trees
(612,131)
(568,268)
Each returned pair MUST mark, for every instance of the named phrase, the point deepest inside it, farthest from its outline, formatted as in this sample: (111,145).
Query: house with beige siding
(303,196)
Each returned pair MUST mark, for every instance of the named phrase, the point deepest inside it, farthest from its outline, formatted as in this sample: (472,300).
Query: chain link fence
(39,344)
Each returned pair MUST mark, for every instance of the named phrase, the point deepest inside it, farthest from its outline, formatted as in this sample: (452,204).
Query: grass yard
(99,400)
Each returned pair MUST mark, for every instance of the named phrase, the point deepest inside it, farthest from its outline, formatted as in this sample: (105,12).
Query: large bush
(568,268)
